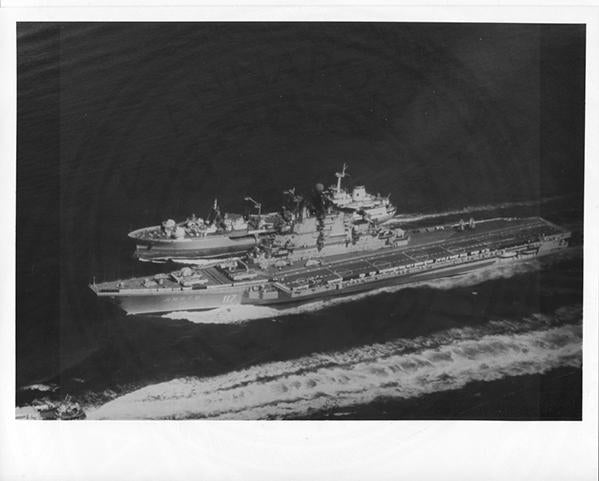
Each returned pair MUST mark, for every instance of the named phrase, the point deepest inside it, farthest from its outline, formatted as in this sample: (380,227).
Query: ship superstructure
(362,204)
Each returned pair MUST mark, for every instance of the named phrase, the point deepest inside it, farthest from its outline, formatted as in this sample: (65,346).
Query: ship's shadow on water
(135,351)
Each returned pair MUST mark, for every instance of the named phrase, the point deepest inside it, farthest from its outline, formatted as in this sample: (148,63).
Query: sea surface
(124,125)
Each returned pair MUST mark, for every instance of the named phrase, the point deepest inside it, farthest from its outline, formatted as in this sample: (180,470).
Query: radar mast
(340,175)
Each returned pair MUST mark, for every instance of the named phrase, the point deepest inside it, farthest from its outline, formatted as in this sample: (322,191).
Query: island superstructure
(326,253)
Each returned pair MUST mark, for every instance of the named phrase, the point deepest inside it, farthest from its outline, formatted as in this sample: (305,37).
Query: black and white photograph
(299,221)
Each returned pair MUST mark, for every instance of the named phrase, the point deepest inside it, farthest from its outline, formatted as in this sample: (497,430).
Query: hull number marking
(229,299)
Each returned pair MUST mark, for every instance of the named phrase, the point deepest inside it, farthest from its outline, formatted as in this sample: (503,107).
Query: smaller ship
(363,205)
(219,235)
(65,410)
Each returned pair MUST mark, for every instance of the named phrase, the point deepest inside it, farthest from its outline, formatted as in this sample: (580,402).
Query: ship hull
(205,248)
(160,253)
(135,303)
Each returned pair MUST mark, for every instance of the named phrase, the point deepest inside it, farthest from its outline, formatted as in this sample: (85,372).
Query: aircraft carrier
(327,255)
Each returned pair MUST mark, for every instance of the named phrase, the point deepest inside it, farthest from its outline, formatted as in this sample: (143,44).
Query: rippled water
(122,125)
(402,368)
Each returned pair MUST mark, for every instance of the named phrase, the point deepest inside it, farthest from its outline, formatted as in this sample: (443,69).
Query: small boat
(65,410)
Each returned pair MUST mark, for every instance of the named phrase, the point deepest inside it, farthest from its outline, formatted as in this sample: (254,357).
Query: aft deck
(424,247)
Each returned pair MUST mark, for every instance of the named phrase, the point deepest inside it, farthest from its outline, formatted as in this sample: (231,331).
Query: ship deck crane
(257,205)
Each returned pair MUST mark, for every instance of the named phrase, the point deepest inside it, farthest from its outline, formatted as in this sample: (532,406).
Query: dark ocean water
(123,125)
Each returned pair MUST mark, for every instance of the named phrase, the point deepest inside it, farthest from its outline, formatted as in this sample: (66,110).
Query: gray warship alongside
(219,235)
(227,235)
(319,251)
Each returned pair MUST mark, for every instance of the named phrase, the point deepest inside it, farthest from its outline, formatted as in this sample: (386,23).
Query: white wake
(403,368)
(415,217)
(40,387)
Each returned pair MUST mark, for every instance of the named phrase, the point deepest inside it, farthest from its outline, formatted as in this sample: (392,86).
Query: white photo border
(284,450)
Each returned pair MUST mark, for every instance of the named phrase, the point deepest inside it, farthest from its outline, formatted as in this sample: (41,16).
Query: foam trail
(240,314)
(40,387)
(414,217)
(404,368)
(226,315)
